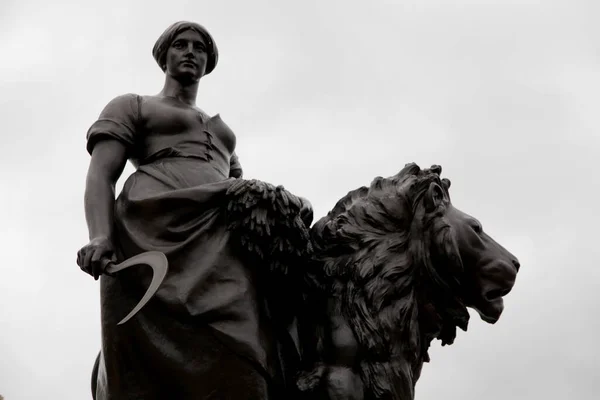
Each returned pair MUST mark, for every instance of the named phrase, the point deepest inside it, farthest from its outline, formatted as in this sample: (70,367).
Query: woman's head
(181,37)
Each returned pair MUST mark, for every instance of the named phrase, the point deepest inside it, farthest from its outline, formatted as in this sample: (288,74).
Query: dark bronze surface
(255,304)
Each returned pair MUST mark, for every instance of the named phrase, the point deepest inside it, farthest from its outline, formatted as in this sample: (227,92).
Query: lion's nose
(516,264)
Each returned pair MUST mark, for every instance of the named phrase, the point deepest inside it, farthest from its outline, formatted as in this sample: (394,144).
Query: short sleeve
(235,168)
(118,120)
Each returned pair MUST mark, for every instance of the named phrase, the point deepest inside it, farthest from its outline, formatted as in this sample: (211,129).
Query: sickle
(160,266)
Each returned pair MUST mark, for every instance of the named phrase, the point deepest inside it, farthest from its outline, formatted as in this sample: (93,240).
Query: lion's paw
(344,384)
(308,381)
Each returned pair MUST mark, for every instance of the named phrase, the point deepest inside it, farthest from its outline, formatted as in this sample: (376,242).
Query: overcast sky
(324,96)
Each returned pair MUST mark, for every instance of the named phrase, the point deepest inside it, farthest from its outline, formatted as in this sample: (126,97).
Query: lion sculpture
(395,265)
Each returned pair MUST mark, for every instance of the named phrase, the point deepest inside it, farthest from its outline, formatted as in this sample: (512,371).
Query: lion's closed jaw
(491,311)
(494,294)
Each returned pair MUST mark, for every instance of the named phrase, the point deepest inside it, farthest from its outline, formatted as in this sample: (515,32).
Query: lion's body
(385,279)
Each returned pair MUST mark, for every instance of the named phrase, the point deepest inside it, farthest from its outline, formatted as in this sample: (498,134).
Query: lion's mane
(393,267)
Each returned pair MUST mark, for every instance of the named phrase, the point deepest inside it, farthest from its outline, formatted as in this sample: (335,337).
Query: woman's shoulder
(126,98)
(136,100)
(123,104)
(152,98)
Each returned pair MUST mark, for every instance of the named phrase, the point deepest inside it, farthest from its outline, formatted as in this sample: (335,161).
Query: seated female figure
(207,332)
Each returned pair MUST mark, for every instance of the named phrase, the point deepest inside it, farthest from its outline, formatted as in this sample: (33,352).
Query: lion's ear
(434,197)
(446,183)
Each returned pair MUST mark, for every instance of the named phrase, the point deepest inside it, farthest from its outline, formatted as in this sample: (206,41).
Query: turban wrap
(164,41)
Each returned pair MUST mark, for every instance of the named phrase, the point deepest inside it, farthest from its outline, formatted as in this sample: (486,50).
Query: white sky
(324,96)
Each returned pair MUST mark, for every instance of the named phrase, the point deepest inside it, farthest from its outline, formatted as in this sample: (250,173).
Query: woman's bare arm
(106,166)
(108,161)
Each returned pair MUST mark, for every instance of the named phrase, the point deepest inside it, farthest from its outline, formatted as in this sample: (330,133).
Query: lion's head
(403,264)
(463,257)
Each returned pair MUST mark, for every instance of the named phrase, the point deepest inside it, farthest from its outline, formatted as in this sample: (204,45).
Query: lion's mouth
(495,282)
(491,304)
(494,294)
(491,311)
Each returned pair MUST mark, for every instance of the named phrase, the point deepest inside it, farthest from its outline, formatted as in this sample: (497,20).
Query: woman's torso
(172,133)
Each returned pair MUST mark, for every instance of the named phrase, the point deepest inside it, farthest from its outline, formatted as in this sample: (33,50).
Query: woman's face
(187,56)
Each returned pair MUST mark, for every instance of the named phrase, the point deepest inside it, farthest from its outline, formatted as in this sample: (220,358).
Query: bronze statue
(209,324)
(255,305)
(395,265)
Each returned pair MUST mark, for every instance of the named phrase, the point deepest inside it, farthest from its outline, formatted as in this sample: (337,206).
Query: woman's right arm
(106,166)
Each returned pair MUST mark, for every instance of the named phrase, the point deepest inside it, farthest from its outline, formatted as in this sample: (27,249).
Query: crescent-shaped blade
(160,265)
